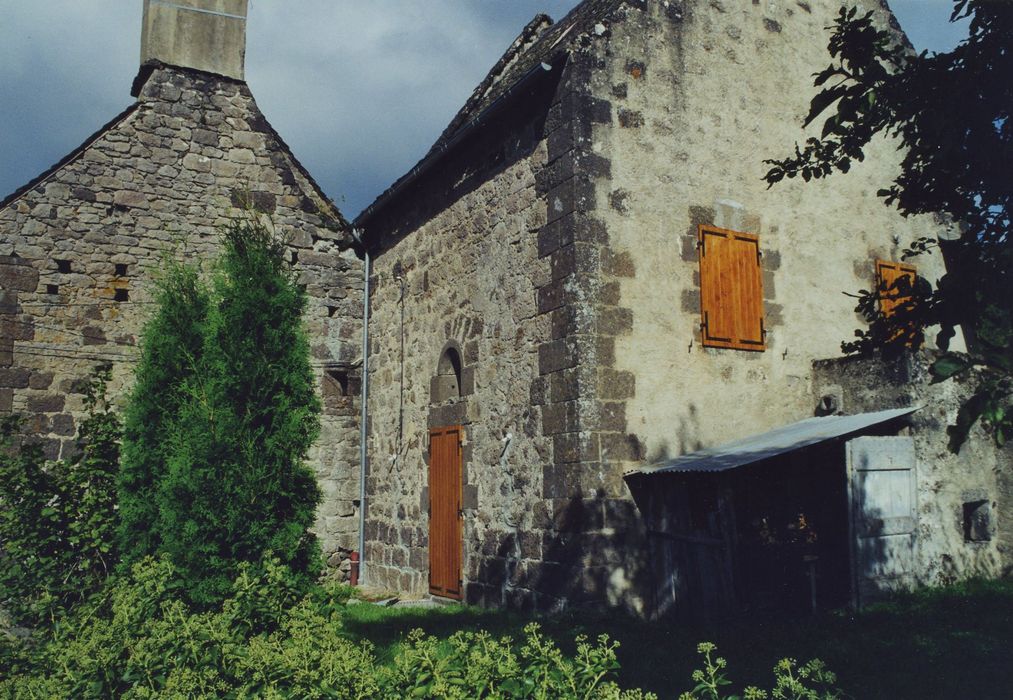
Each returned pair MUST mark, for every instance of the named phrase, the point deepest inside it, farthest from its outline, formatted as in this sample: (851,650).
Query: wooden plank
(731,289)
(445,542)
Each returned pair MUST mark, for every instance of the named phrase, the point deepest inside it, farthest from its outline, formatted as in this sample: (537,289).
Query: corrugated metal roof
(770,444)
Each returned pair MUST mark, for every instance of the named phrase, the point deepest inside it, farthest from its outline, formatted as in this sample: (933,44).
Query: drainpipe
(363,398)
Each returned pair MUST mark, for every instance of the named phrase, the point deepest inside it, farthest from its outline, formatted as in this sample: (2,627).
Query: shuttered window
(891,295)
(731,289)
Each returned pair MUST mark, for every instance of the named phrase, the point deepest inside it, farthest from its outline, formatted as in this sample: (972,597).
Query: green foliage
(810,681)
(58,520)
(475,665)
(951,114)
(221,421)
(172,349)
(139,640)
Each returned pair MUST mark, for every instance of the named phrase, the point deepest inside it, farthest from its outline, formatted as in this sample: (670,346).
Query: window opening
(121,295)
(52,289)
(977,521)
(63,266)
(448,379)
(121,269)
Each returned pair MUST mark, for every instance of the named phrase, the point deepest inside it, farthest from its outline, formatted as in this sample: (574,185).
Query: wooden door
(884,515)
(445,515)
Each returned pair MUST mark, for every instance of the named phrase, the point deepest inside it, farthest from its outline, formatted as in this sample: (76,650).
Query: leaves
(221,420)
(58,519)
(950,114)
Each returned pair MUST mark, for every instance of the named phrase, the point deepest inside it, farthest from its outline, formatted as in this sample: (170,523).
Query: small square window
(52,289)
(121,269)
(63,266)
(121,295)
(977,521)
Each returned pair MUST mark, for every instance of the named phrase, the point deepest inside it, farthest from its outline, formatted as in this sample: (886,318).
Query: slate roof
(541,41)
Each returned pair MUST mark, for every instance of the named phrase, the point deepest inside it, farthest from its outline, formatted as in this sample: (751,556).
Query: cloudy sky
(359,89)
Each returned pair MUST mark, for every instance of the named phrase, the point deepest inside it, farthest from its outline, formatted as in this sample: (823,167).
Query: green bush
(221,422)
(58,519)
(172,344)
(137,639)
(475,665)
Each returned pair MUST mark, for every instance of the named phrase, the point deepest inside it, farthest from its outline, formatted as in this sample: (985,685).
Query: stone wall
(457,266)
(80,247)
(977,476)
(700,93)
(627,155)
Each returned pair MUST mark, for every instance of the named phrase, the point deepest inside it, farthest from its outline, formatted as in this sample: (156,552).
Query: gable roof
(145,73)
(56,167)
(540,43)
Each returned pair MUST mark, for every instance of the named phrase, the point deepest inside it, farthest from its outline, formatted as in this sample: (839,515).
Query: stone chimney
(207,35)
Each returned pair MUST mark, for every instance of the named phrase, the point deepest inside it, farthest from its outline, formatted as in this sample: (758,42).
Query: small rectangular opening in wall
(63,266)
(295,257)
(121,269)
(331,310)
(977,521)
(52,289)
(338,383)
(121,295)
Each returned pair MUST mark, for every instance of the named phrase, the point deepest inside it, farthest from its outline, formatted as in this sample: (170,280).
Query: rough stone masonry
(81,246)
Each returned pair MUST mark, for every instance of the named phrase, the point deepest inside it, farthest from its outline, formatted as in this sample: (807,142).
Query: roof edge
(70,157)
(771,443)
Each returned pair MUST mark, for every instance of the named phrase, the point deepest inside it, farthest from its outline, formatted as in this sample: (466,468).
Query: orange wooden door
(445,542)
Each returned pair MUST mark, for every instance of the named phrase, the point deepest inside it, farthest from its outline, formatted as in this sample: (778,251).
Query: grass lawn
(947,643)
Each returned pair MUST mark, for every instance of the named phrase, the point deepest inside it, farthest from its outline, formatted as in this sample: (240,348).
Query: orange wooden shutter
(445,542)
(887,274)
(731,289)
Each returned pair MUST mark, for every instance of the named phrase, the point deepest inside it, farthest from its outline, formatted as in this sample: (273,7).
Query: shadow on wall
(589,552)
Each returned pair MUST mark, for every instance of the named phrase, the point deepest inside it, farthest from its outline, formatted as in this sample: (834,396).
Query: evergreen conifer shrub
(222,461)
(172,349)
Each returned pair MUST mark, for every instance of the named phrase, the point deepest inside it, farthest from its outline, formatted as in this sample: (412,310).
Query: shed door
(881,483)
(445,512)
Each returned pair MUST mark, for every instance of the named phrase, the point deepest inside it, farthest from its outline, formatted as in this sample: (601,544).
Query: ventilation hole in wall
(121,295)
(63,266)
(295,257)
(331,310)
(121,269)
(52,289)
(335,383)
(977,521)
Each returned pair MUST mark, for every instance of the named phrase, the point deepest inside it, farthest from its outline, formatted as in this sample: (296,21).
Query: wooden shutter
(731,289)
(445,483)
(887,274)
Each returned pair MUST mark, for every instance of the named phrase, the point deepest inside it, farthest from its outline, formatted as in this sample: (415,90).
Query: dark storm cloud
(359,90)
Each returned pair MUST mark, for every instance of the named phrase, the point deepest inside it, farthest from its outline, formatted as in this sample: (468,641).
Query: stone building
(600,351)
(80,244)
(586,284)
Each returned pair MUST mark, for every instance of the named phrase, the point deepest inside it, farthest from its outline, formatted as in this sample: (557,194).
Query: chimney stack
(206,35)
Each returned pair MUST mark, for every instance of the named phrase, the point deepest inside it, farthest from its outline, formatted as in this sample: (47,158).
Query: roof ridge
(527,38)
